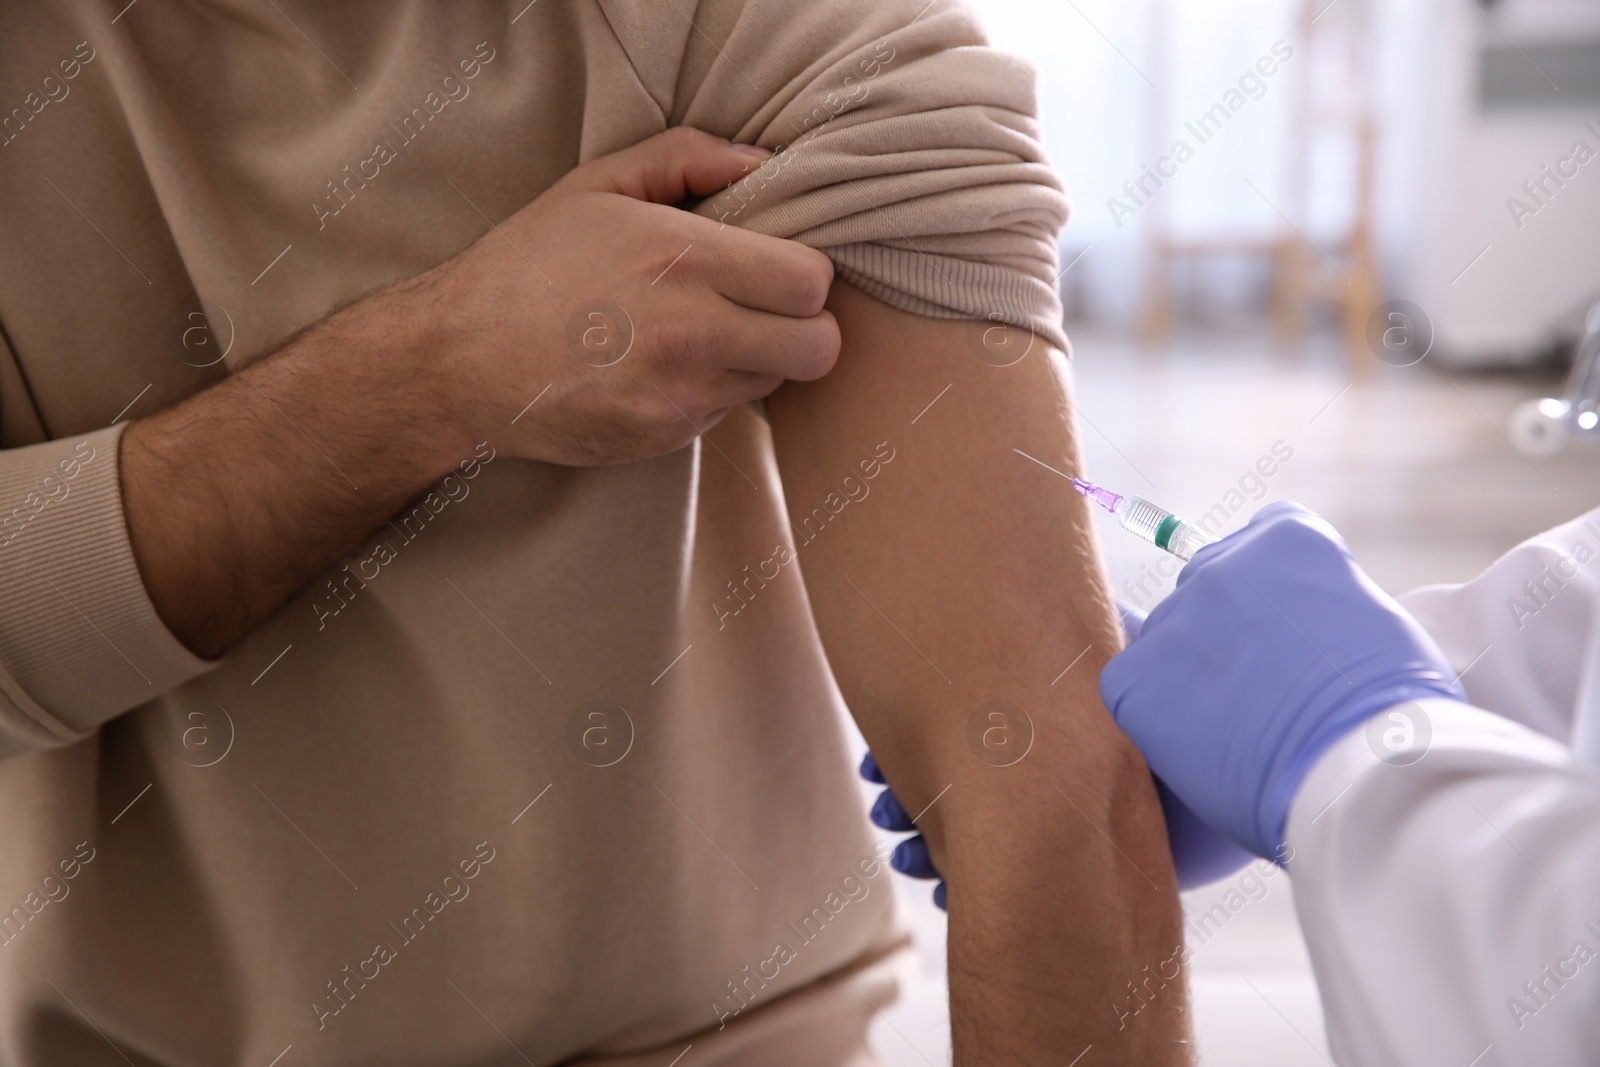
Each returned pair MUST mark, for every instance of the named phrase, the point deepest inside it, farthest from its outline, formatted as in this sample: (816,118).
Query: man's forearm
(963,588)
(1062,902)
(238,496)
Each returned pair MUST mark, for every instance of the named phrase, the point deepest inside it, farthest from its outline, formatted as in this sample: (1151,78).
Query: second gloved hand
(911,856)
(1273,646)
(1200,854)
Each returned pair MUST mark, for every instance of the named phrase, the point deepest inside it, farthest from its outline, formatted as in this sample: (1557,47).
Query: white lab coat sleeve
(1452,906)
(1520,630)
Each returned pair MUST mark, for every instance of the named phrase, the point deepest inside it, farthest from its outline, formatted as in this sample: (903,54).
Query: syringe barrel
(1185,539)
(1161,528)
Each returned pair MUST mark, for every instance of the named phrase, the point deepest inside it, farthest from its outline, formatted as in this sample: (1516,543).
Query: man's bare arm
(239,495)
(968,576)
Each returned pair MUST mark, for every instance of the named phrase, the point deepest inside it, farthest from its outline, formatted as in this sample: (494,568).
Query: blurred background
(1360,234)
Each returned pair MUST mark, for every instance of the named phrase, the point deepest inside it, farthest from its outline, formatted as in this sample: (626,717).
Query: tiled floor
(1411,464)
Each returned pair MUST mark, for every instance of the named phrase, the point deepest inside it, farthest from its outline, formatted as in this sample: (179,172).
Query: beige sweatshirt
(551,768)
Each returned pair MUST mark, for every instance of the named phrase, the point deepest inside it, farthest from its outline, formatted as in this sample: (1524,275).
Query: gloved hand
(1200,854)
(1273,646)
(910,857)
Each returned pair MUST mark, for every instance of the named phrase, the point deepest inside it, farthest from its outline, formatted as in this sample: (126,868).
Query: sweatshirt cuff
(943,287)
(1403,739)
(80,641)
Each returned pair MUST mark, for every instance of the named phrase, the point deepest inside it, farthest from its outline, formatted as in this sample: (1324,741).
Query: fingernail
(753,150)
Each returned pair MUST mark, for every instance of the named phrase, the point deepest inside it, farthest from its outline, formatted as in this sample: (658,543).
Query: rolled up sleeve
(80,640)
(907,149)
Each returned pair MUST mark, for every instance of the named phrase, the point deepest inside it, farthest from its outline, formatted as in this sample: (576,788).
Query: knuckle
(820,349)
(688,139)
(652,418)
(708,258)
(815,278)
(679,342)
(670,257)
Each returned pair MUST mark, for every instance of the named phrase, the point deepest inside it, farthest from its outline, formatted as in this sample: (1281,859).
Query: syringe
(1149,521)
(1140,517)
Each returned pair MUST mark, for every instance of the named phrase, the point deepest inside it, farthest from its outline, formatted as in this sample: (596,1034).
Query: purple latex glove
(1274,645)
(1200,854)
